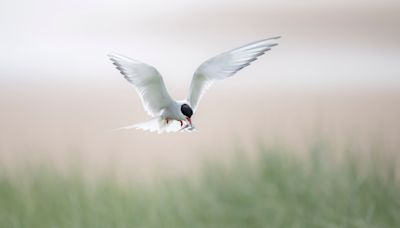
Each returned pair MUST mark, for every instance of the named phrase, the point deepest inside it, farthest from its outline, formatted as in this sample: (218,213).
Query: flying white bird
(170,115)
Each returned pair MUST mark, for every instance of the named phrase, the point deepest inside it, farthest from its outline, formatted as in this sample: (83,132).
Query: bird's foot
(181,122)
(167,120)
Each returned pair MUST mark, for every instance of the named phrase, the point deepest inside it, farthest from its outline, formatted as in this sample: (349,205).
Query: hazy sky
(324,42)
(59,94)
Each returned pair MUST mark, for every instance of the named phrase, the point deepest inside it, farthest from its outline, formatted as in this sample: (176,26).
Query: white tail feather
(160,126)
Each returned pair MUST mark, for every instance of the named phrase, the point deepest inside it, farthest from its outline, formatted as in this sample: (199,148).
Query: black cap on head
(186,110)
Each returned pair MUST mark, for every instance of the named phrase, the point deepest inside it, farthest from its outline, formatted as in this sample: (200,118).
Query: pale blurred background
(335,75)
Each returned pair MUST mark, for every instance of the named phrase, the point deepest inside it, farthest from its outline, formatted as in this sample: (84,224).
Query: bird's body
(171,115)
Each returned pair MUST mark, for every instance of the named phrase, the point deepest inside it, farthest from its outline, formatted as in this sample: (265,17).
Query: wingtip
(116,56)
(267,42)
(275,37)
(113,55)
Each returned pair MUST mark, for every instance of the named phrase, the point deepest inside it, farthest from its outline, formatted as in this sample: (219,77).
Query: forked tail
(159,125)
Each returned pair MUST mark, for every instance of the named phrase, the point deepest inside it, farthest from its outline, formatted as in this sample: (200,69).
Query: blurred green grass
(278,189)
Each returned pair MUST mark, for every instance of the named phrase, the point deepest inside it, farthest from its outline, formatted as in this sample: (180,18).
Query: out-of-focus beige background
(335,75)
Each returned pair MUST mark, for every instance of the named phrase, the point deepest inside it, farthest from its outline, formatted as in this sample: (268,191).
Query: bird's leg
(167,120)
(181,122)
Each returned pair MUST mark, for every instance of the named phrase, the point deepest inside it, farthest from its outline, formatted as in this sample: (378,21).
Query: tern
(169,115)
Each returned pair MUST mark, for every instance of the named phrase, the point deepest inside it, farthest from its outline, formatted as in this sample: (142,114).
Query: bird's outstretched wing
(147,82)
(225,65)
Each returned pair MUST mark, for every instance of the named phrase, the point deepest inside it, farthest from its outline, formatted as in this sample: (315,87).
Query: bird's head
(187,111)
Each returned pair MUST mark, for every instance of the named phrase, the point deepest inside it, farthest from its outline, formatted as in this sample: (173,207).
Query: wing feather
(147,82)
(225,65)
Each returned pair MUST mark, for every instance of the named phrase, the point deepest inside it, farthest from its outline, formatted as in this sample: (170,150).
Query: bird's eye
(186,110)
